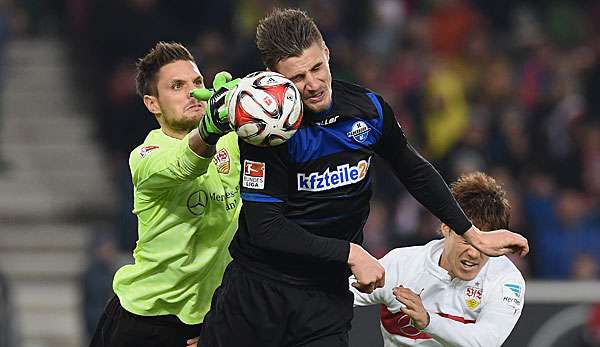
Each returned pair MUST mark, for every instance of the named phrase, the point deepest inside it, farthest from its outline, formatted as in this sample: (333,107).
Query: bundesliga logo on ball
(265,109)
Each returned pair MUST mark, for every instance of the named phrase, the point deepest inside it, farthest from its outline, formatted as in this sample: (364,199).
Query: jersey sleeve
(384,295)
(419,177)
(264,186)
(163,167)
(495,322)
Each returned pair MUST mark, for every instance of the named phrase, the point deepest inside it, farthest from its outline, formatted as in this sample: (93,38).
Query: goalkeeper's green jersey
(187,209)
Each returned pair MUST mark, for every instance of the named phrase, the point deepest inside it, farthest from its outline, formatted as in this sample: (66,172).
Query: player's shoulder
(502,269)
(405,255)
(355,98)
(153,143)
(230,143)
(348,87)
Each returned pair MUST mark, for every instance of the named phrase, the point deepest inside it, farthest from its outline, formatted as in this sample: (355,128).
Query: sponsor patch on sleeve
(144,151)
(512,295)
(254,175)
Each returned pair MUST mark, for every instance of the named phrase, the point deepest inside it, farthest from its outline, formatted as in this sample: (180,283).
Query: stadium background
(507,87)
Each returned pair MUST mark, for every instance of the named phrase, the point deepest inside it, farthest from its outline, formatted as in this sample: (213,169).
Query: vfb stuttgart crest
(473,297)
(221,160)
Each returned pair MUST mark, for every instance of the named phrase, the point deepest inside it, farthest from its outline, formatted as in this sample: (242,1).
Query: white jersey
(480,312)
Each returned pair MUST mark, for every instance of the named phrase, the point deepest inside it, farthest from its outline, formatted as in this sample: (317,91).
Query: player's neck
(444,264)
(178,134)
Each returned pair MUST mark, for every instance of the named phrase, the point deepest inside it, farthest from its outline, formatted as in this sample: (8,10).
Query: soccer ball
(265,109)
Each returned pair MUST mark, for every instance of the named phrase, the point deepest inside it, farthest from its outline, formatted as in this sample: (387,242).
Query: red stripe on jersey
(456,318)
(399,323)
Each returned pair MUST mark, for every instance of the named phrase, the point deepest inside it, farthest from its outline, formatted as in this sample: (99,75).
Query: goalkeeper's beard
(184,124)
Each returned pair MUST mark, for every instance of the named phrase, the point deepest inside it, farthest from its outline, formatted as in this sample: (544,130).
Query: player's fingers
(220,79)
(408,311)
(406,297)
(381,282)
(525,248)
(404,291)
(364,288)
(192,342)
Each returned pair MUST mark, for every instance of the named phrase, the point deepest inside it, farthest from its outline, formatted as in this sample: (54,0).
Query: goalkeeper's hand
(215,122)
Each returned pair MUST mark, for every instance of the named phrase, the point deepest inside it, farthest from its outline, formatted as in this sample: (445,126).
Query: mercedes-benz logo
(404,323)
(197,202)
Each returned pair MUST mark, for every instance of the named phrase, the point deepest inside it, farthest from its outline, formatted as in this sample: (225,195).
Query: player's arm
(495,322)
(390,262)
(424,182)
(156,169)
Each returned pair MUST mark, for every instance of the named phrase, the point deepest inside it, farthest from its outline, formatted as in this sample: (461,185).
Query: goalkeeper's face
(176,111)
(459,258)
(311,75)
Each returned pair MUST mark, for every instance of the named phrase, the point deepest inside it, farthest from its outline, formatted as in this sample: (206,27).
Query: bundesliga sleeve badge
(254,175)
(144,151)
(511,295)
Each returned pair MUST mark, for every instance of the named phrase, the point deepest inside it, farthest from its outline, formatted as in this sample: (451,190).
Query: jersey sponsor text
(342,176)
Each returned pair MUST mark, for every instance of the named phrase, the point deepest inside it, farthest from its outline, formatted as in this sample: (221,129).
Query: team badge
(254,175)
(473,297)
(360,131)
(221,160)
(144,151)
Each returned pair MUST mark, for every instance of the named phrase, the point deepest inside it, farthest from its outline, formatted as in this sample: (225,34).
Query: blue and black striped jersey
(305,200)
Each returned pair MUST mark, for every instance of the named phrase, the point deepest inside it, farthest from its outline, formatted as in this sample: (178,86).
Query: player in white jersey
(446,293)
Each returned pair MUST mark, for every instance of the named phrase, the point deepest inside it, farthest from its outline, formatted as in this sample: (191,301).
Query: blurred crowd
(505,87)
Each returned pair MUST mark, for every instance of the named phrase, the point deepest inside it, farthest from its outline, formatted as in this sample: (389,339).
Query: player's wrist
(354,254)
(473,237)
(209,134)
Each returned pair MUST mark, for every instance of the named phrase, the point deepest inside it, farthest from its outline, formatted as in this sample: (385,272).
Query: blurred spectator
(567,230)
(7,12)
(446,117)
(96,281)
(7,314)
(585,267)
(591,333)
(375,231)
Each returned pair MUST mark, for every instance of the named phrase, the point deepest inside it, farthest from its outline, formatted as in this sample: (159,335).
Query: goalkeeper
(447,293)
(187,201)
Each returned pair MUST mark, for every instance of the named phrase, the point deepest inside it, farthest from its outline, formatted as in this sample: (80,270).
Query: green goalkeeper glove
(215,122)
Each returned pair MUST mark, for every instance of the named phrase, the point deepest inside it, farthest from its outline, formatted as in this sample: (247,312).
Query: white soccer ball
(265,109)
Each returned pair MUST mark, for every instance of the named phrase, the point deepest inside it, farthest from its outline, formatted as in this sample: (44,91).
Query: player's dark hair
(483,200)
(285,33)
(148,66)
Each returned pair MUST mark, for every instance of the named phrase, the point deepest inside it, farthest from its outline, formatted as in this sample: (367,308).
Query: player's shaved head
(483,200)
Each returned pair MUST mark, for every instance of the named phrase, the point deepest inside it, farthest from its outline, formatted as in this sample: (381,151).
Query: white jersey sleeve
(382,295)
(495,322)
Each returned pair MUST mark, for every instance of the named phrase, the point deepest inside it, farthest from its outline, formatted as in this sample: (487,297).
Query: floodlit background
(507,87)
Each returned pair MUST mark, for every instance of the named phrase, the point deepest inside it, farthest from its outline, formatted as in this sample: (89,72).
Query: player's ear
(151,103)
(445,230)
